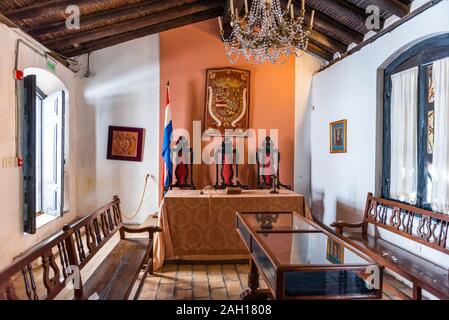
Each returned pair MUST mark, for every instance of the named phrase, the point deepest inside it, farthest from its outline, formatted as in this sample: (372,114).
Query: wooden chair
(227,167)
(43,271)
(183,166)
(265,156)
(424,227)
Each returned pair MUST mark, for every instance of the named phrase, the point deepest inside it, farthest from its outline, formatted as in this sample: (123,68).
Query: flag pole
(168,128)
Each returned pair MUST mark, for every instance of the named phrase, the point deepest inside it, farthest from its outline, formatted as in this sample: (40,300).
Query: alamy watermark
(74,282)
(373,280)
(72,22)
(373,20)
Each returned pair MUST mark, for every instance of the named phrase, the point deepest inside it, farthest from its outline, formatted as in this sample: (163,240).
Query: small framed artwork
(335,252)
(338,136)
(125,143)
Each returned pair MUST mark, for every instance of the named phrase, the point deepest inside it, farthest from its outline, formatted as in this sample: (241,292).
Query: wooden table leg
(253,284)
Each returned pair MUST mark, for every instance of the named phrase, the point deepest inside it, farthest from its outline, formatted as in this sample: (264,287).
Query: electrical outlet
(8,162)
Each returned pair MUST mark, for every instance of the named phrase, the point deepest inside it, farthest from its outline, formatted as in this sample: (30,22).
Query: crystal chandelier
(266,32)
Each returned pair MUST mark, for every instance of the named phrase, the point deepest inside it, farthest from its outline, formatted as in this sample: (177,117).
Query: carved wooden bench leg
(417,292)
(150,264)
(142,281)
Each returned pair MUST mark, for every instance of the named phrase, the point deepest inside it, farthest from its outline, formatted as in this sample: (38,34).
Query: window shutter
(29,154)
(53,154)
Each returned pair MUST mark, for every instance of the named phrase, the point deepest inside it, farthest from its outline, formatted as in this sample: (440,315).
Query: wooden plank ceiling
(108,22)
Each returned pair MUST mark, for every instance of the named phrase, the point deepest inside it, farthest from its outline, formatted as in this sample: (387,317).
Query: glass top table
(301,260)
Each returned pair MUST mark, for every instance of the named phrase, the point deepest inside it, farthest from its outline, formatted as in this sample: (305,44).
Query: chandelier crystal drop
(266,32)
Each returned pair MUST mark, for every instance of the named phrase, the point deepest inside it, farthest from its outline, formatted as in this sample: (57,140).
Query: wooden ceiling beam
(354,17)
(324,47)
(132,25)
(333,29)
(395,7)
(153,29)
(153,7)
(45,8)
(312,48)
(7,21)
(327,42)
(329,26)
(114,40)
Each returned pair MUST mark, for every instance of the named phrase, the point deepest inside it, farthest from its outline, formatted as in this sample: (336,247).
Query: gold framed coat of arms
(227,100)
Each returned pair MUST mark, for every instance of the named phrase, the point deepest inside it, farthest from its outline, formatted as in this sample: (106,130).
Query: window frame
(31,96)
(40,96)
(420,55)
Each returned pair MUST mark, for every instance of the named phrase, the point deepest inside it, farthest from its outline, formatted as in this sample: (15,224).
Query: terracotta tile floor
(221,282)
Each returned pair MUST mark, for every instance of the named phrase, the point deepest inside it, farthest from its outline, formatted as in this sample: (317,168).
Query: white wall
(123,91)
(305,68)
(348,90)
(12,239)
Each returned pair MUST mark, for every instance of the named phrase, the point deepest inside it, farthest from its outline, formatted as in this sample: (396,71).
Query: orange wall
(186,53)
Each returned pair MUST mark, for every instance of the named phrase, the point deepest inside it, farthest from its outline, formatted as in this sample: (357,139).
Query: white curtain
(439,168)
(404,121)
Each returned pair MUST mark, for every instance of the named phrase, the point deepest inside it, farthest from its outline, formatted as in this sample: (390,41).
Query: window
(43,153)
(416,127)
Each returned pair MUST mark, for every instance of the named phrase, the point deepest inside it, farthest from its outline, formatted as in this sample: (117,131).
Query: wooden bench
(43,271)
(422,226)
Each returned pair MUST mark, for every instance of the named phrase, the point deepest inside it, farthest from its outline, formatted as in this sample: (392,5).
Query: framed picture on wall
(338,136)
(335,252)
(227,100)
(125,143)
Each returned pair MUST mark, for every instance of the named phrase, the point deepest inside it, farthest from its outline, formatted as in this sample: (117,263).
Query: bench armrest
(149,229)
(340,225)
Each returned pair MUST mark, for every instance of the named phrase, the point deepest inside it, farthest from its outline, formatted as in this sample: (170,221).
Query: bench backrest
(423,226)
(91,232)
(42,272)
